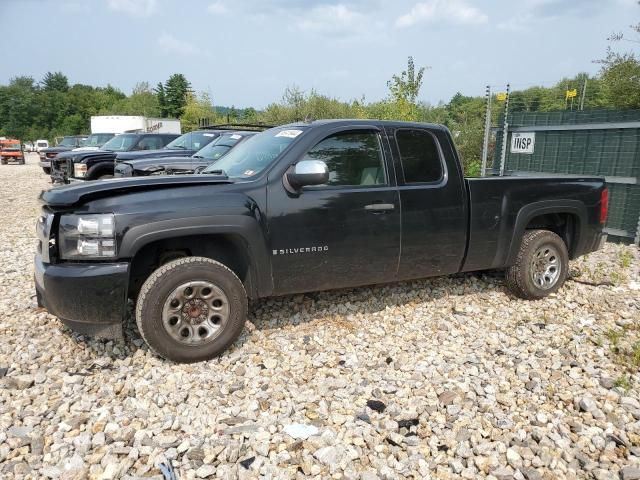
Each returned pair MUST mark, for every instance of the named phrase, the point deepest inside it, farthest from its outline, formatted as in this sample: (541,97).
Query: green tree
(465,119)
(162,101)
(55,81)
(249,115)
(142,101)
(19,106)
(621,80)
(620,72)
(407,85)
(196,108)
(176,91)
(403,93)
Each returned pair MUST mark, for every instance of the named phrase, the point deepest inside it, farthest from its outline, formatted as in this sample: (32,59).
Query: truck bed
(501,208)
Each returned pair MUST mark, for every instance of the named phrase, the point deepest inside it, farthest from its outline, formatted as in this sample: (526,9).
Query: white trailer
(134,124)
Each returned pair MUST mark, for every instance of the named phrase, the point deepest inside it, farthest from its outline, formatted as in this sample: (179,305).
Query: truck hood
(55,149)
(146,163)
(76,193)
(78,156)
(164,152)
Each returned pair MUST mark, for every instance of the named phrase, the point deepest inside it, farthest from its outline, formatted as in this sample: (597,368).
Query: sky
(246,52)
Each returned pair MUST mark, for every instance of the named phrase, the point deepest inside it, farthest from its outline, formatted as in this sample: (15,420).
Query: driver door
(344,233)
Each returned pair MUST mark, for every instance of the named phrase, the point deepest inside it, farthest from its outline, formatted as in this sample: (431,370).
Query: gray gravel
(442,378)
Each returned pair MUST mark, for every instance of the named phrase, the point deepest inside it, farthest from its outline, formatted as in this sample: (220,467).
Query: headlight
(79,169)
(87,236)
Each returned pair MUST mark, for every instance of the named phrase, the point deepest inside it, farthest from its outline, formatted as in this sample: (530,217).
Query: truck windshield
(10,146)
(120,143)
(96,139)
(254,155)
(219,147)
(191,141)
(67,142)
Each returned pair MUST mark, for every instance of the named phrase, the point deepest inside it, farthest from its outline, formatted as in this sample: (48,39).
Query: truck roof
(359,121)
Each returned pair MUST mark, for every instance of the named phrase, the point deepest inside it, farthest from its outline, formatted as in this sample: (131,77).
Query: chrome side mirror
(307,173)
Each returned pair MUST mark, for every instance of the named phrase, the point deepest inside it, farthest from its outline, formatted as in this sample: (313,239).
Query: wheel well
(98,169)
(565,225)
(230,250)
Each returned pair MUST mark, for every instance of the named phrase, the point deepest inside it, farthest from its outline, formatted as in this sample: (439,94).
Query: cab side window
(353,158)
(150,143)
(419,155)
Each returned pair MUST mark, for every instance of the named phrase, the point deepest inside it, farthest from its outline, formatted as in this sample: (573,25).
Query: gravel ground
(442,378)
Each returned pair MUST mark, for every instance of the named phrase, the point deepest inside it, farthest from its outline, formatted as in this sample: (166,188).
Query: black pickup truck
(69,142)
(98,164)
(299,208)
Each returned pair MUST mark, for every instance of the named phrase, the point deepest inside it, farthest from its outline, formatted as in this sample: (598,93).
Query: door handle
(379,207)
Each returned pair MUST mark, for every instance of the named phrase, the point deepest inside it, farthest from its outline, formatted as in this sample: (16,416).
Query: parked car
(299,208)
(41,144)
(67,143)
(98,164)
(182,165)
(11,151)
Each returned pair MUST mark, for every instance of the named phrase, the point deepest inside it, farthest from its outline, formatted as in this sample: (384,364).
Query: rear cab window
(419,156)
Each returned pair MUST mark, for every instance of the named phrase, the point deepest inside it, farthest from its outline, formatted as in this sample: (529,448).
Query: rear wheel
(191,309)
(541,266)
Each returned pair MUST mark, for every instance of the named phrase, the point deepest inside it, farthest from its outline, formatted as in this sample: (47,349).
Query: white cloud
(217,8)
(138,8)
(332,19)
(171,44)
(454,11)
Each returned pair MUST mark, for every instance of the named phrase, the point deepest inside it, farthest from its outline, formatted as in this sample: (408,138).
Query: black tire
(520,277)
(155,294)
(3,162)
(46,170)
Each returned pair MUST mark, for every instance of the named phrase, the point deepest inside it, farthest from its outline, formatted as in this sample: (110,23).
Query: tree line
(52,107)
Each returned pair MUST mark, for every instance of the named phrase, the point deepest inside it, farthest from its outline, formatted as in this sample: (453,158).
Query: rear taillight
(604,205)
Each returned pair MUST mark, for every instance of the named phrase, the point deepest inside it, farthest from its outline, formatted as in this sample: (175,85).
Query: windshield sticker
(248,173)
(289,133)
(235,136)
(208,135)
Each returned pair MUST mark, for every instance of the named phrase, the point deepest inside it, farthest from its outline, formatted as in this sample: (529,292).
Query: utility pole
(505,133)
(487,129)
(584,93)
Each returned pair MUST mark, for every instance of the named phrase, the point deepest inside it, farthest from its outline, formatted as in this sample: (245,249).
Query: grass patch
(625,257)
(622,382)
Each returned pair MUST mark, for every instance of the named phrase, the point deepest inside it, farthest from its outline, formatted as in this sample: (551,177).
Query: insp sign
(523,142)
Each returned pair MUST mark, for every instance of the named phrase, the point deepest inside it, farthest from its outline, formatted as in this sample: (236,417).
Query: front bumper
(90,298)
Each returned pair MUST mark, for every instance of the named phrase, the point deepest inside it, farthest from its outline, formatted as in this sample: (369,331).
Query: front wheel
(46,170)
(541,266)
(191,309)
